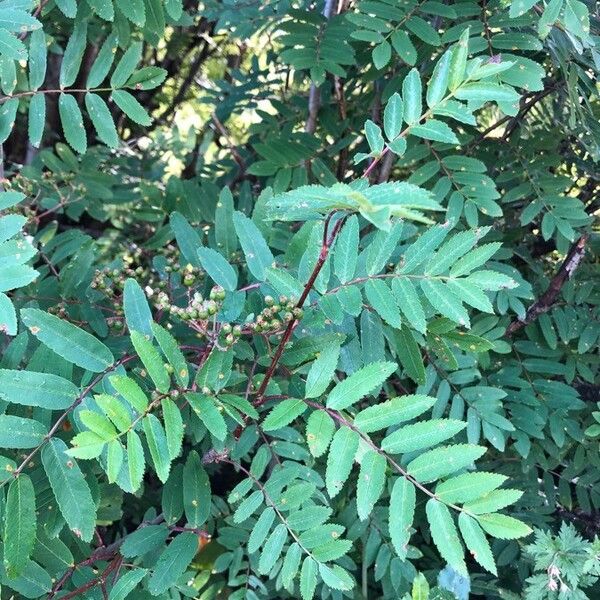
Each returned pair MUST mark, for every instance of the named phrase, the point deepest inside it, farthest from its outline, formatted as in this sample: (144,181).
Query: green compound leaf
(169,347)
(137,311)
(308,578)
(131,107)
(196,491)
(11,46)
(20,432)
(359,384)
(503,526)
(8,315)
(218,268)
(173,562)
(71,61)
(102,119)
(340,459)
(38,55)
(321,371)
(476,542)
(103,62)
(445,536)
(412,96)
(401,514)
(257,253)
(336,577)
(37,389)
(126,65)
(173,426)
(319,431)
(131,391)
(157,444)
(272,548)
(392,412)
(103,8)
(70,488)
(346,250)
(371,480)
(127,583)
(20,524)
(152,361)
(409,303)
(208,412)
(261,529)
(392,116)
(67,340)
(144,540)
(283,414)
(468,486)
(134,10)
(135,459)
(72,123)
(37,119)
(439,462)
(421,435)
(438,84)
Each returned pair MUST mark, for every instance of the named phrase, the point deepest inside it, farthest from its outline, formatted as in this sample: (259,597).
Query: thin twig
(325,247)
(534,99)
(545,302)
(314,94)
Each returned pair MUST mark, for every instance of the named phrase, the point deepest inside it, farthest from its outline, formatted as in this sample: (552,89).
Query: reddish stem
(325,247)
(374,163)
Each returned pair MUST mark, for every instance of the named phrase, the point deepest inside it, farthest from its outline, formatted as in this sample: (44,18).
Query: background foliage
(299,300)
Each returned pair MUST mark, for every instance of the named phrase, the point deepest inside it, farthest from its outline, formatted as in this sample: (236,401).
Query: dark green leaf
(131,107)
(157,444)
(37,389)
(126,65)
(103,62)
(137,312)
(359,384)
(152,361)
(70,489)
(37,119)
(72,123)
(196,491)
(71,61)
(258,255)
(19,525)
(102,119)
(221,272)
(173,562)
(67,340)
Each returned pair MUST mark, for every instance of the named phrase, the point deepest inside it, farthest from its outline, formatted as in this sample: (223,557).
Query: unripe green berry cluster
(198,309)
(276,315)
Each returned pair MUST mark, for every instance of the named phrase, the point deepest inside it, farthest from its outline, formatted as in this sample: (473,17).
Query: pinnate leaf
(359,384)
(476,542)
(322,371)
(445,536)
(37,389)
(371,480)
(20,523)
(67,340)
(421,435)
(392,412)
(402,512)
(340,459)
(173,561)
(70,488)
(439,462)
